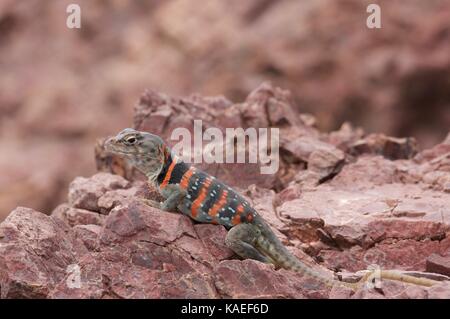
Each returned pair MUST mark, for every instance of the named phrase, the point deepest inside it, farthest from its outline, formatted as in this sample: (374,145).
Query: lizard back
(207,200)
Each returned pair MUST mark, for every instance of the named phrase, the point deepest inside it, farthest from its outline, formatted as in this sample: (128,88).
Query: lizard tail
(304,269)
(298,266)
(397,276)
(280,256)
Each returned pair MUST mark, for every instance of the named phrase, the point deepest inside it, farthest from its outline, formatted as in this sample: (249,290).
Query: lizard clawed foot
(358,280)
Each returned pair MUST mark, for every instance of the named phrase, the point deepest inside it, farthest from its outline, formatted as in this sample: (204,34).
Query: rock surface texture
(342,202)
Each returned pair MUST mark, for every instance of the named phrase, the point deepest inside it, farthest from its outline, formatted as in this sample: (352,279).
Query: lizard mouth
(110,146)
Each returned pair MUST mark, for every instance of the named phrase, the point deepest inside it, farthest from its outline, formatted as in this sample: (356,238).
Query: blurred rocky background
(61,89)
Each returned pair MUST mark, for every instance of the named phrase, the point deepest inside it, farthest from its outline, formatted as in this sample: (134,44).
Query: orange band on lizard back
(169,173)
(201,197)
(186,178)
(219,204)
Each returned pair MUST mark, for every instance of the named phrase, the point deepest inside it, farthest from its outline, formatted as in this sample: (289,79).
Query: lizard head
(143,150)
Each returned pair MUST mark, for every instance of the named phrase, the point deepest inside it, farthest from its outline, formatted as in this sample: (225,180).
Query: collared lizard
(206,199)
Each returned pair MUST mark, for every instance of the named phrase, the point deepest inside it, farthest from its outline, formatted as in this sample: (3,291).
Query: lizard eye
(131,140)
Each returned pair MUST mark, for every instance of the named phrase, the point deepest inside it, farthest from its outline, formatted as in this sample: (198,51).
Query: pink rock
(434,152)
(440,291)
(252,279)
(389,254)
(389,147)
(84,193)
(213,238)
(35,251)
(116,197)
(88,234)
(366,171)
(120,279)
(345,136)
(138,221)
(412,292)
(405,229)
(76,216)
(438,264)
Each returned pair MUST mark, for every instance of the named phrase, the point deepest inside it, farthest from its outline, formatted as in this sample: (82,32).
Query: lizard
(206,199)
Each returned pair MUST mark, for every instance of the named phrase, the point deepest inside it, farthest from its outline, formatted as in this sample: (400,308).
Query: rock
(389,147)
(88,234)
(76,216)
(401,254)
(139,222)
(213,238)
(137,251)
(264,201)
(340,202)
(103,278)
(434,152)
(346,136)
(438,264)
(325,163)
(412,292)
(366,171)
(35,253)
(441,291)
(84,193)
(321,158)
(113,198)
(154,108)
(252,279)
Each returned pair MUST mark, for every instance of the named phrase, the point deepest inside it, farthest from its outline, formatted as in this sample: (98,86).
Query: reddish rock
(434,152)
(366,171)
(139,222)
(412,292)
(387,146)
(383,229)
(213,238)
(76,216)
(441,291)
(137,251)
(88,234)
(346,136)
(84,193)
(35,251)
(322,159)
(265,107)
(113,198)
(438,264)
(105,278)
(252,279)
(154,108)
(389,254)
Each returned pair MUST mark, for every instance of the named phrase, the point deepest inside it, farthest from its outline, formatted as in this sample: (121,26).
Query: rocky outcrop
(132,250)
(341,202)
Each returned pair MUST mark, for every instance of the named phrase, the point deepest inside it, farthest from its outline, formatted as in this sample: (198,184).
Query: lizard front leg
(241,239)
(174,196)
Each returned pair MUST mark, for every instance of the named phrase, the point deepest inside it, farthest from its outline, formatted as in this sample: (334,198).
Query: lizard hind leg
(241,239)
